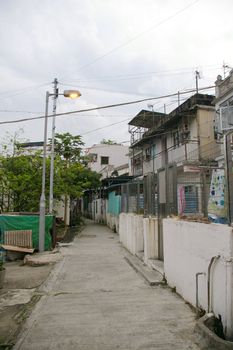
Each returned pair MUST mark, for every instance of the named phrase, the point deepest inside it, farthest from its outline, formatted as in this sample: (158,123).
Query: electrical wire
(102,89)
(105,126)
(12,111)
(167,72)
(20,91)
(138,35)
(106,106)
(131,76)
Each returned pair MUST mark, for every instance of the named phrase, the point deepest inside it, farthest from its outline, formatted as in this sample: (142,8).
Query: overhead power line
(167,72)
(106,90)
(15,111)
(12,93)
(106,126)
(106,106)
(138,35)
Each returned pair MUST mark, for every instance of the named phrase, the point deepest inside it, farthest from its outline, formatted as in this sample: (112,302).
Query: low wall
(150,234)
(188,250)
(139,234)
(131,232)
(113,222)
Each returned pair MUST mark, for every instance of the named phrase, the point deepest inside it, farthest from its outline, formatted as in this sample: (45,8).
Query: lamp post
(42,197)
(52,147)
(67,93)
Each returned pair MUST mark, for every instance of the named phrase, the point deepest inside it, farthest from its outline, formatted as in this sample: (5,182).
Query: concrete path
(95,300)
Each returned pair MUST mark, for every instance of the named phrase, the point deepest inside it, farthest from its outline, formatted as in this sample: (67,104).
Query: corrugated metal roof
(146,119)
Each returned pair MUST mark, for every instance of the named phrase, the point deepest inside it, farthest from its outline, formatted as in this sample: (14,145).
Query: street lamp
(66,93)
(70,94)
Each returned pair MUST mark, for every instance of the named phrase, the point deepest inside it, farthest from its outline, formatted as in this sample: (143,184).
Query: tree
(21,175)
(68,151)
(73,177)
(20,182)
(68,147)
(108,142)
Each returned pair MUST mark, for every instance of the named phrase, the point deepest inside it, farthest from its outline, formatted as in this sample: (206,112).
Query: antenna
(152,110)
(197,76)
(225,68)
(150,106)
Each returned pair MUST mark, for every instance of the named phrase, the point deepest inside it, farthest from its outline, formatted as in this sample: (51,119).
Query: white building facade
(105,158)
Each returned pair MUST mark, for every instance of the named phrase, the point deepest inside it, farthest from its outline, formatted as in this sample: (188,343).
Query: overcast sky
(113,51)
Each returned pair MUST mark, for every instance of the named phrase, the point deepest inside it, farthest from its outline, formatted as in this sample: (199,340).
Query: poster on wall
(217,201)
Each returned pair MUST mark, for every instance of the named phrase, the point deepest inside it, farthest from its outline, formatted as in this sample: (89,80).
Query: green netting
(27,222)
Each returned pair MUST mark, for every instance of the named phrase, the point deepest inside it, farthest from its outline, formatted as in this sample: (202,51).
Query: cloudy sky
(113,51)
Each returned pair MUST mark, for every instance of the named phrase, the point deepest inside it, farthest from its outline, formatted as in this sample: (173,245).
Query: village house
(106,158)
(183,139)
(111,161)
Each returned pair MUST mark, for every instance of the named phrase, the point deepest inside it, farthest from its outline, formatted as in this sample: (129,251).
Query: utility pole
(55,96)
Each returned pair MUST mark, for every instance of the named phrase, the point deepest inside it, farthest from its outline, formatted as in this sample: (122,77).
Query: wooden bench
(18,240)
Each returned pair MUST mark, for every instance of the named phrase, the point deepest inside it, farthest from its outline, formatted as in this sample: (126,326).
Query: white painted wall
(188,249)
(98,210)
(112,222)
(131,232)
(139,234)
(155,162)
(150,236)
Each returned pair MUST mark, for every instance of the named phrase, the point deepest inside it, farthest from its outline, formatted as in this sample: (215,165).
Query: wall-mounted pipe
(209,295)
(197,294)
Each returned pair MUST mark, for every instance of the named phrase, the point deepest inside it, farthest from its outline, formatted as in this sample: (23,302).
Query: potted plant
(2,273)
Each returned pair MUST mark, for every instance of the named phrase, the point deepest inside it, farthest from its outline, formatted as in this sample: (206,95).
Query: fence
(193,188)
(132,197)
(176,190)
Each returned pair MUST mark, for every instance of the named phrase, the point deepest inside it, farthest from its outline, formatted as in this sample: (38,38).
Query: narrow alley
(94,300)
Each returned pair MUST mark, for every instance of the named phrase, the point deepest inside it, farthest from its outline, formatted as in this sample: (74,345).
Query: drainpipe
(228,301)
(209,284)
(197,299)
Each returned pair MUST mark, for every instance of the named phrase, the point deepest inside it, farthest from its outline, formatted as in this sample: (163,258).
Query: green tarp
(27,222)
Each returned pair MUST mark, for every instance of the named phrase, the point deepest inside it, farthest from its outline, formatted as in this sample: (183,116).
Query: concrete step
(152,277)
(157,265)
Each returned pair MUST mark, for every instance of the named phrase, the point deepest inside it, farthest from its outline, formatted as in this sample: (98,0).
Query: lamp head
(72,93)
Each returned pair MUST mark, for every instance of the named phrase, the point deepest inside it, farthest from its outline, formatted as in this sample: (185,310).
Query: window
(104,160)
(176,139)
(147,153)
(153,151)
